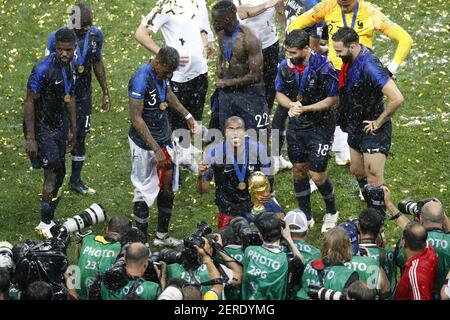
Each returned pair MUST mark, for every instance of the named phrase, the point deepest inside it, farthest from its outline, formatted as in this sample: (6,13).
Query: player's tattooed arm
(28,111)
(175,104)
(100,74)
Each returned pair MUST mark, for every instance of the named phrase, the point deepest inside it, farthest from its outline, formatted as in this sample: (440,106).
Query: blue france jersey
(362,98)
(142,87)
(83,89)
(47,80)
(321,82)
(229,199)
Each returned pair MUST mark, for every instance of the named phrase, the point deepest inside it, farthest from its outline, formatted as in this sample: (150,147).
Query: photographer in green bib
(371,238)
(329,271)
(369,270)
(430,214)
(98,253)
(126,281)
(267,268)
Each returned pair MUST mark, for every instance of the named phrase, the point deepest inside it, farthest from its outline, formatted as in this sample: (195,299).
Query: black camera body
(244,233)
(374,193)
(408,206)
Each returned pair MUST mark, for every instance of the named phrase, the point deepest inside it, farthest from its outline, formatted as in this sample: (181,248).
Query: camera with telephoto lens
(408,206)
(93,215)
(321,293)
(196,238)
(245,234)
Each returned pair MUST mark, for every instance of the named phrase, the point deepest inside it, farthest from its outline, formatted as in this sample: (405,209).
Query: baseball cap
(297,219)
(352,232)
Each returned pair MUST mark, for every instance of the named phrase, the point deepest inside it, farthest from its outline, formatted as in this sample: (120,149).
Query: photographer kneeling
(430,214)
(98,253)
(127,282)
(266,267)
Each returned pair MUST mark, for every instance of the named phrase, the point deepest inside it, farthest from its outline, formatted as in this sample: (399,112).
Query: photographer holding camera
(267,268)
(189,265)
(123,282)
(330,271)
(98,253)
(371,239)
(430,214)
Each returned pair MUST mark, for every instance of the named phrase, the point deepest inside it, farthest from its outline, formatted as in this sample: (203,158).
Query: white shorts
(144,174)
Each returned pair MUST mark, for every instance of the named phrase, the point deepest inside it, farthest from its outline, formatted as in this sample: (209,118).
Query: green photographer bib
(176,271)
(97,255)
(368,269)
(310,252)
(335,278)
(441,243)
(389,264)
(232,292)
(146,291)
(265,274)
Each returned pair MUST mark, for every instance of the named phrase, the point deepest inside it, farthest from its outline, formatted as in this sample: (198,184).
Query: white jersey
(180,22)
(263,25)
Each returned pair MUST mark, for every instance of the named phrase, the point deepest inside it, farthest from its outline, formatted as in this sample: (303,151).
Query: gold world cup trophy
(259,185)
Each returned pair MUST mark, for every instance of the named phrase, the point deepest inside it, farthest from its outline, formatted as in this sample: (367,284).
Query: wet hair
(336,246)
(86,14)
(119,224)
(370,221)
(269,226)
(65,35)
(347,36)
(298,39)
(136,254)
(235,119)
(225,8)
(168,57)
(359,290)
(38,290)
(415,236)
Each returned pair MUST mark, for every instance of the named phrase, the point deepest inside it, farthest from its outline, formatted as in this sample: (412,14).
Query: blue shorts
(83,125)
(368,143)
(310,146)
(247,102)
(51,149)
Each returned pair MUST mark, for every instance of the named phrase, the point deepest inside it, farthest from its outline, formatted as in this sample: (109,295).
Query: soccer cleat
(285,164)
(342,158)
(329,221)
(311,223)
(167,241)
(43,229)
(81,188)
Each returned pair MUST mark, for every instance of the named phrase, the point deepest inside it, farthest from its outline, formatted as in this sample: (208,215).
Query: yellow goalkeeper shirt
(367,20)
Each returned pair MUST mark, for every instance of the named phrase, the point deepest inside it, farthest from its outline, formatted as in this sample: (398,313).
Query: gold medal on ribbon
(227,65)
(163,106)
(299,98)
(67,98)
(242,186)
(80,69)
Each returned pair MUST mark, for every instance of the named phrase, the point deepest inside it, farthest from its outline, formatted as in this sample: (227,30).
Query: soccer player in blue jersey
(88,55)
(150,141)
(363,83)
(49,111)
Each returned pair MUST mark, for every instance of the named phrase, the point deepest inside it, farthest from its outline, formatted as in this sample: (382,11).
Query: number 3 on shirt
(263,120)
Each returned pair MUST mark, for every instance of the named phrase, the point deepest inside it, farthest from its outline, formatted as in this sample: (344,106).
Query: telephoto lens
(6,255)
(93,215)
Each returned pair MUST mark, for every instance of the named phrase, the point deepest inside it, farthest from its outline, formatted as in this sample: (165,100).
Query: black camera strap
(213,282)
(135,286)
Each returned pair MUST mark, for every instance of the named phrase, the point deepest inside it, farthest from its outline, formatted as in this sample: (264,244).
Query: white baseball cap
(296,219)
